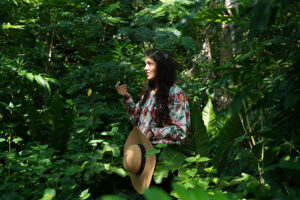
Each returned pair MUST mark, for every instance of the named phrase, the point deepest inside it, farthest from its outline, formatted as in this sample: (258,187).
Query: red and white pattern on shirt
(174,132)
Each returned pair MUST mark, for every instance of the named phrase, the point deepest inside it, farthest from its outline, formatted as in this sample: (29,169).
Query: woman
(162,113)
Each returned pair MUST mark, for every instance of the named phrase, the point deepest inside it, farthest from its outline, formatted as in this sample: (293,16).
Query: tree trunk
(49,59)
(226,51)
(206,45)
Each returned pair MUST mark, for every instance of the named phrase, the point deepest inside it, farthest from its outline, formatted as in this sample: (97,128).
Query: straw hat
(139,166)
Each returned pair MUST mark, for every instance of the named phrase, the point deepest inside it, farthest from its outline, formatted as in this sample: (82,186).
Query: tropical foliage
(62,125)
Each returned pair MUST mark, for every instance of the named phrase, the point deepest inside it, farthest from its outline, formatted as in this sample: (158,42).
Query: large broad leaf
(229,128)
(42,82)
(59,122)
(160,173)
(189,194)
(199,138)
(209,118)
(169,160)
(155,194)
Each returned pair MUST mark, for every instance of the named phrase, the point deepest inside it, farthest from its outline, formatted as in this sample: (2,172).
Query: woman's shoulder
(175,89)
(177,95)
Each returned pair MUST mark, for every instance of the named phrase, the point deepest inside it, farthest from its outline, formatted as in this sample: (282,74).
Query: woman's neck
(153,86)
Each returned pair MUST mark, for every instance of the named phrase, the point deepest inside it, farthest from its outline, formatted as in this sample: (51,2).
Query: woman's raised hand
(122,90)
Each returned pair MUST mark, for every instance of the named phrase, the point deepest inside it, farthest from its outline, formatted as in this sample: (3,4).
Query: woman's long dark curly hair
(164,79)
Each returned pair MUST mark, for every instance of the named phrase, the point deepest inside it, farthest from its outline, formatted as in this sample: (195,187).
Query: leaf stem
(260,169)
(242,122)
(248,123)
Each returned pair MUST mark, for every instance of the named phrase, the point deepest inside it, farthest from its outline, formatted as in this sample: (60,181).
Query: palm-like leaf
(229,128)
(199,138)
(169,160)
(209,118)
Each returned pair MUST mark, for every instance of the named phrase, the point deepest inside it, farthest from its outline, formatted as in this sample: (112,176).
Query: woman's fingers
(121,89)
(120,86)
(124,87)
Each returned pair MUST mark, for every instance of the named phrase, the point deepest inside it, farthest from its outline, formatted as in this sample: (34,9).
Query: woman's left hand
(149,135)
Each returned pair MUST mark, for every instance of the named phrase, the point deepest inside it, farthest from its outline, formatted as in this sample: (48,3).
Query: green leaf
(209,118)
(188,43)
(172,158)
(119,171)
(169,160)
(159,174)
(154,193)
(152,152)
(15,2)
(203,159)
(190,194)
(199,132)
(111,197)
(191,172)
(9,26)
(29,76)
(21,72)
(49,193)
(45,161)
(290,100)
(85,194)
(161,145)
(113,148)
(105,133)
(2,139)
(94,143)
(247,55)
(285,165)
(229,128)
(42,83)
(190,159)
(112,7)
(17,140)
(52,80)
(220,196)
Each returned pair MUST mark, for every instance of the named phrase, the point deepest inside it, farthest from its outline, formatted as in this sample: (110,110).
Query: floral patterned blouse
(174,132)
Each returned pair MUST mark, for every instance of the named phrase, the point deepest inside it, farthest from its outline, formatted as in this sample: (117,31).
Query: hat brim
(141,181)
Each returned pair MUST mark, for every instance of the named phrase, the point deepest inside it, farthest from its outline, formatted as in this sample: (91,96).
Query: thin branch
(242,122)
(261,169)
(293,146)
(248,122)
(47,68)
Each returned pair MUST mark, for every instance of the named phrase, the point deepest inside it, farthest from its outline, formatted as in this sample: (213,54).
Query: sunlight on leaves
(49,194)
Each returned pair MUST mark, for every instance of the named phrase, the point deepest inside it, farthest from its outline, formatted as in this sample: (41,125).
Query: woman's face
(150,68)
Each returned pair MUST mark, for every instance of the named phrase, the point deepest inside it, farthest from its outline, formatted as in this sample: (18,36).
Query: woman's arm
(131,108)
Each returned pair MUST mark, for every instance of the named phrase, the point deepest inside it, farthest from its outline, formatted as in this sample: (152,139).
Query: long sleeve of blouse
(132,110)
(174,132)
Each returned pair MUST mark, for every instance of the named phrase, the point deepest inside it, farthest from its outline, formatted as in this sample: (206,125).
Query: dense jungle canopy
(63,126)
